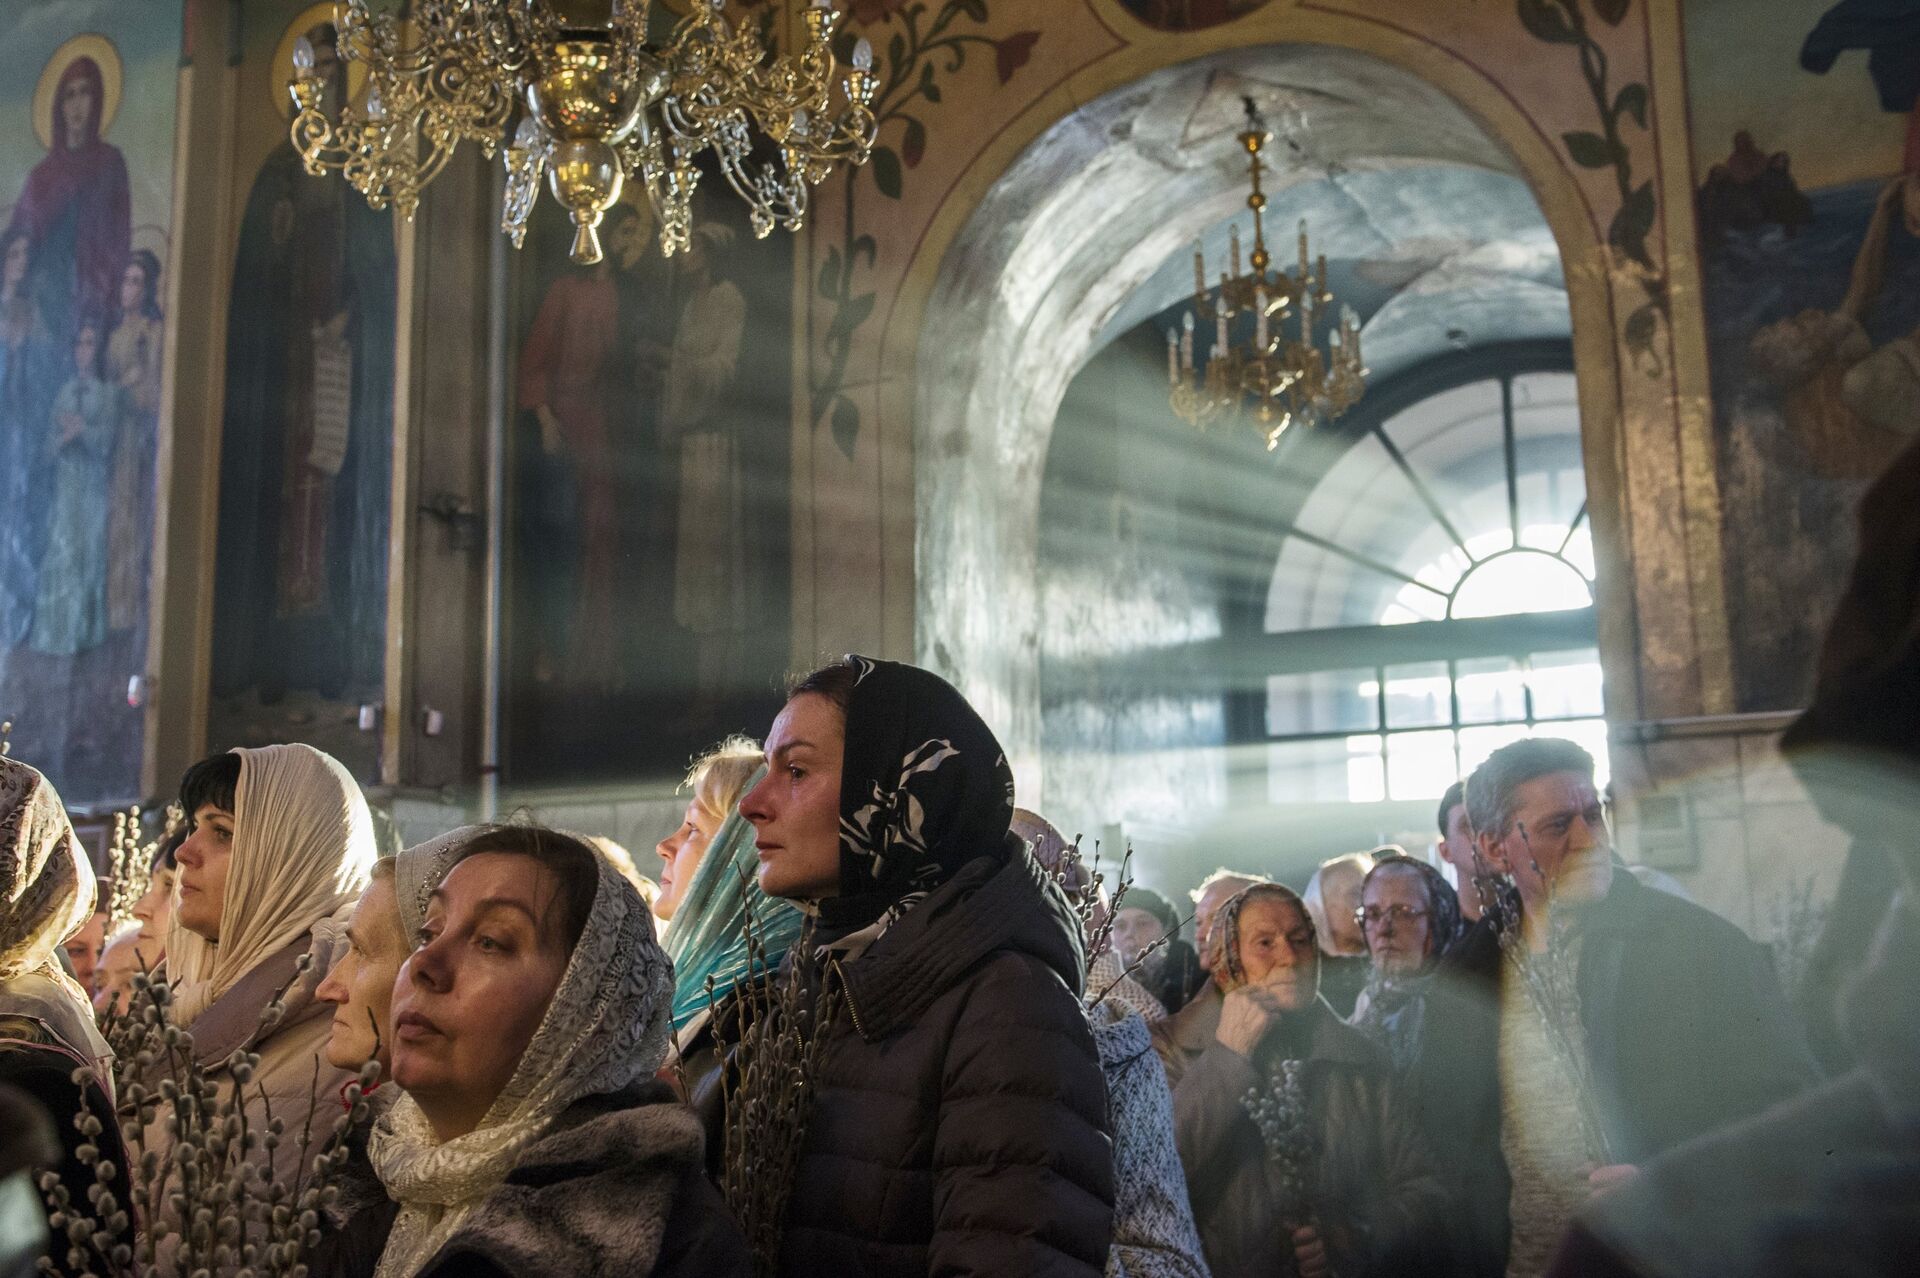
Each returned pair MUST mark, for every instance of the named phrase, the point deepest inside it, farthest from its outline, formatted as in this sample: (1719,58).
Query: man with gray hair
(1628,1021)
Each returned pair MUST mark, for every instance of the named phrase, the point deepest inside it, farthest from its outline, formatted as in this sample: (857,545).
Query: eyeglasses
(1372,917)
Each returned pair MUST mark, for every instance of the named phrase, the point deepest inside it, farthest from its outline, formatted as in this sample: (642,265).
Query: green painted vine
(1565,23)
(919,51)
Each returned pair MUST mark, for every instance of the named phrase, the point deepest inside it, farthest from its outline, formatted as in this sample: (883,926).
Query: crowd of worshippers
(996,1066)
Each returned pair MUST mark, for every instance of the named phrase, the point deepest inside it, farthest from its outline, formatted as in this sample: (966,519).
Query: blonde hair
(719,777)
(622,862)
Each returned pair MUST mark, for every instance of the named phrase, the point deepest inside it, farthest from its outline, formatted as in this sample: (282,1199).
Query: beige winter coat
(293,1079)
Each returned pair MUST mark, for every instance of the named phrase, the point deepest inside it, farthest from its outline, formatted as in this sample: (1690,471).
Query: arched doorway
(1082,236)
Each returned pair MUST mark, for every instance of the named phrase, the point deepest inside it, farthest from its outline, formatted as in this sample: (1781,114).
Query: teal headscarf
(707,936)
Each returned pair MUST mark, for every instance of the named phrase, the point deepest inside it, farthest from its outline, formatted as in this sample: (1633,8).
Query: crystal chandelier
(598,105)
(1282,376)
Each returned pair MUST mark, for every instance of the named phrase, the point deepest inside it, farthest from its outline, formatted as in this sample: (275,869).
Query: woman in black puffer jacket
(958,1122)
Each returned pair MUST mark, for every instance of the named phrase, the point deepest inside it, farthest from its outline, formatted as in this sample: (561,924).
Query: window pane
(1525,581)
(1551,481)
(1335,770)
(1477,743)
(1326,701)
(1366,777)
(1492,690)
(1420,765)
(1566,685)
(1591,734)
(1419,696)
(1454,442)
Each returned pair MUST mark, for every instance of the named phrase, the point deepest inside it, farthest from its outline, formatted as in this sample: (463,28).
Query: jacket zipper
(847,994)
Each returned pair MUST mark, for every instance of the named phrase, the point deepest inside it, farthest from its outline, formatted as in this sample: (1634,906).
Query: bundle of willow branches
(1099,935)
(767,1083)
(1279,1109)
(132,863)
(212,1206)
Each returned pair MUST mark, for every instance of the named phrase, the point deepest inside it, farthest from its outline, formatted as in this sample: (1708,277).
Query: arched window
(1433,597)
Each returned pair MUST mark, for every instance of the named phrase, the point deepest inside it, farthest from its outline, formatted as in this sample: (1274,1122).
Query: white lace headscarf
(303,847)
(47,894)
(605,1028)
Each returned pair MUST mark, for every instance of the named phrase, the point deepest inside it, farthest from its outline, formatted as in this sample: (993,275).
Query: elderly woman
(1333,903)
(1429,1019)
(46,1024)
(1411,917)
(529,1137)
(380,935)
(958,1119)
(1290,1125)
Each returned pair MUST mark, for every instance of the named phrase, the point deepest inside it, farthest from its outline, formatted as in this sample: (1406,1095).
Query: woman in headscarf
(530,1138)
(1410,915)
(46,1024)
(956,1120)
(280,846)
(1295,1138)
(715,904)
(1153,1230)
(379,936)
(716,781)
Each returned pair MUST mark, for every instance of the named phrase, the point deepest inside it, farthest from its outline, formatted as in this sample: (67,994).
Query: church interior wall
(903,362)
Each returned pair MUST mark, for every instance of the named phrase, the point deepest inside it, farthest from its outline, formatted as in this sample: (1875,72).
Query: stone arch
(1085,203)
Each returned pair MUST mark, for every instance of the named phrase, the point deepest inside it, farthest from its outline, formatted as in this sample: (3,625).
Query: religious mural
(87,165)
(1807,157)
(306,450)
(650,526)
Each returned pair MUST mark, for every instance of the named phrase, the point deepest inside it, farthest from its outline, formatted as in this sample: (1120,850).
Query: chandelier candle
(1278,380)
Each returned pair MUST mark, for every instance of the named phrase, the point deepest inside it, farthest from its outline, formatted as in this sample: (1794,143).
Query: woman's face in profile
(795,809)
(469,999)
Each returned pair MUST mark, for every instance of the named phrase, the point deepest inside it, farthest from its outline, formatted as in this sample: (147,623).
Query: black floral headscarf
(924,789)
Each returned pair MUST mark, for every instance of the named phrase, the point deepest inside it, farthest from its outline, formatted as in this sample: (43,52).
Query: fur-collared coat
(616,1187)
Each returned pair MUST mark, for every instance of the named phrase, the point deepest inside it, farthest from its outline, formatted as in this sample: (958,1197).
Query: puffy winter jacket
(960,1118)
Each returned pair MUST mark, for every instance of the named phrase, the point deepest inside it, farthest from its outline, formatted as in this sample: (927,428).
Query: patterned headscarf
(46,895)
(605,1028)
(707,936)
(417,871)
(924,788)
(46,881)
(1227,928)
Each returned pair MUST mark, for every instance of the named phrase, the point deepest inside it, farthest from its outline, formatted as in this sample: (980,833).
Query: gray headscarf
(417,871)
(606,1028)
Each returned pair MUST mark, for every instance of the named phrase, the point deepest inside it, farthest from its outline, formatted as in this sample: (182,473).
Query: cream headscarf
(417,872)
(302,848)
(47,894)
(606,1027)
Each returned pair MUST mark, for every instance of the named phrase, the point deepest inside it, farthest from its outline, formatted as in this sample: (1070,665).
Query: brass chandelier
(599,105)
(1281,377)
